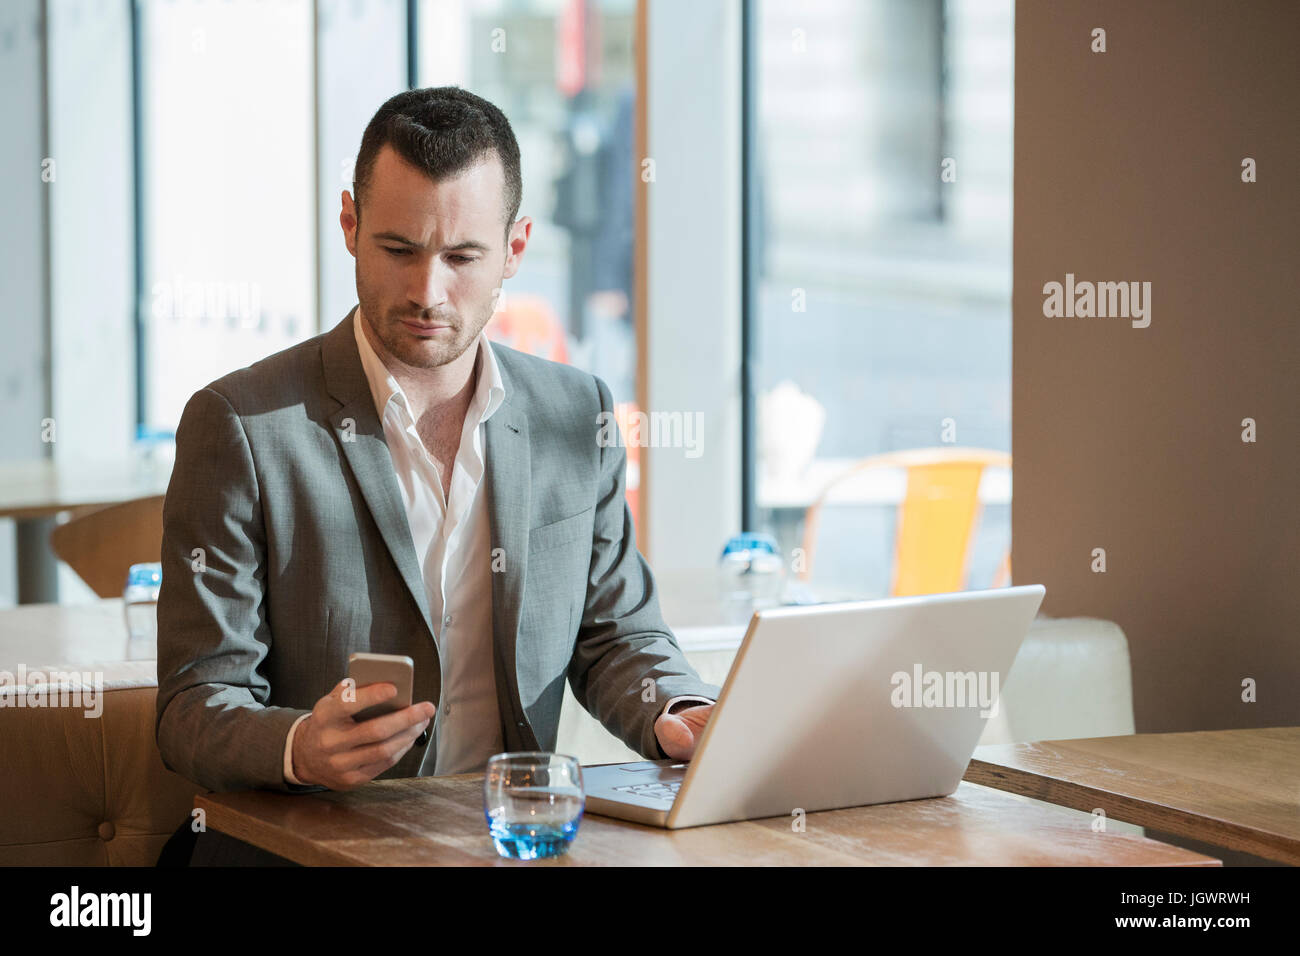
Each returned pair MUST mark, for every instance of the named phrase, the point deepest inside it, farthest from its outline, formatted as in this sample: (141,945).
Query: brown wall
(1128,167)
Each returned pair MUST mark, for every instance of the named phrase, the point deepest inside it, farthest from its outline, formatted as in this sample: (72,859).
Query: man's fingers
(675,737)
(387,752)
(378,729)
(364,696)
(695,717)
(678,733)
(672,724)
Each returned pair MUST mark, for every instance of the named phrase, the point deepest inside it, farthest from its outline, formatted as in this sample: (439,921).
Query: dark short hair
(442,131)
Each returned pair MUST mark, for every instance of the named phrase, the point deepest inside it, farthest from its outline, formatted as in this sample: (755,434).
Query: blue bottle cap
(750,541)
(144,575)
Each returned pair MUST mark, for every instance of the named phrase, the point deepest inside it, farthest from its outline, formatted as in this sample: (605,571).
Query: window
(564,74)
(882,300)
(229,259)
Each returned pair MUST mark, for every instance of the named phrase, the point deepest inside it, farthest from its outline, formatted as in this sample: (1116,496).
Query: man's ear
(348,220)
(516,242)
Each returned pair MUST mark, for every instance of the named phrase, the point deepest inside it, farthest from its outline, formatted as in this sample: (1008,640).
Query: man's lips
(425,330)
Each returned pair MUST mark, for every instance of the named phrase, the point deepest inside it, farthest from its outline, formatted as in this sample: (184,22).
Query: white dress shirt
(452,539)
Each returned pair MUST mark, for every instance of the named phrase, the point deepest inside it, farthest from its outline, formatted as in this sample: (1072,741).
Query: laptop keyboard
(653,791)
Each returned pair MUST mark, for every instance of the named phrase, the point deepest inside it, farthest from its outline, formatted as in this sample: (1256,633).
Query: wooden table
(432,821)
(1232,788)
(34,492)
(72,635)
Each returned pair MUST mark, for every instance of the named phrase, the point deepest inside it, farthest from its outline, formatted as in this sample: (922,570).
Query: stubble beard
(404,346)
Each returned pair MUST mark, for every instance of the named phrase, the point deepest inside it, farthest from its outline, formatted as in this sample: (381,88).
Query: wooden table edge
(303,850)
(1128,809)
(306,852)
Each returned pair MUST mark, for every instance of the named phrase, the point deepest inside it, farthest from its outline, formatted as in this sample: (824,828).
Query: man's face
(431,257)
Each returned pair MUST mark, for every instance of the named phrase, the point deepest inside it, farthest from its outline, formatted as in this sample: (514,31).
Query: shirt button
(447,619)
(446,711)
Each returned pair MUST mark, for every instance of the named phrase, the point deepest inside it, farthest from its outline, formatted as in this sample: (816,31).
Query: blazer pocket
(560,532)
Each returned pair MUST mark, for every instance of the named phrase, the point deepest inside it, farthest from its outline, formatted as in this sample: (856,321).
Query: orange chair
(935,521)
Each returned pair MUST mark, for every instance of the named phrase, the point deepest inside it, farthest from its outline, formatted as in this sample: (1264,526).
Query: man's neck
(431,392)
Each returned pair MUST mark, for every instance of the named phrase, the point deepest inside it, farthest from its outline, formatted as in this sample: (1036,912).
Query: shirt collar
(489,390)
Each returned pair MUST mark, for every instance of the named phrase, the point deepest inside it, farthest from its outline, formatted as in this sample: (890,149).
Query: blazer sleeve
(213,722)
(626,663)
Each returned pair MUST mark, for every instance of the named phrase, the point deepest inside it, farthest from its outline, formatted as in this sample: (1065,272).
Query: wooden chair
(101,544)
(935,520)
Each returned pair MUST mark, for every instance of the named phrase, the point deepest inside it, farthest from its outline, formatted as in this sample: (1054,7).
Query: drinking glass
(533,802)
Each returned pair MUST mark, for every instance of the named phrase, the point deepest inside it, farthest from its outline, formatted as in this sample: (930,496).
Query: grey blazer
(286,548)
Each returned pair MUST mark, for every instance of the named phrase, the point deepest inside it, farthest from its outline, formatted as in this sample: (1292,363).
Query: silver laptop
(836,705)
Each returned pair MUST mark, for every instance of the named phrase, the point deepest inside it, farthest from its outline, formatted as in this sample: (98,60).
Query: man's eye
(397,251)
(462,258)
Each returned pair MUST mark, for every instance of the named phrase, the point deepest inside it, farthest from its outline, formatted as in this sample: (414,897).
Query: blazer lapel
(361,436)
(508,481)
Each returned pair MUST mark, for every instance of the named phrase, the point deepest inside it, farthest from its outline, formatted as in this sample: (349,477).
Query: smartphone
(395,669)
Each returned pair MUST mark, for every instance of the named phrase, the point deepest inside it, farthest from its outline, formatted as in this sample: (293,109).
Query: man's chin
(419,352)
(417,356)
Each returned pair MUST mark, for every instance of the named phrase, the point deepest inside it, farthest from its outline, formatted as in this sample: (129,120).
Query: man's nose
(430,289)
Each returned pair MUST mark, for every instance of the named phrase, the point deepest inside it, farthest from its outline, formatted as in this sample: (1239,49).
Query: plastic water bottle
(751,575)
(140,599)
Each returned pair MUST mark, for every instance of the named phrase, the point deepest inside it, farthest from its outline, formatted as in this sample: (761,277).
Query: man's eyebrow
(465,244)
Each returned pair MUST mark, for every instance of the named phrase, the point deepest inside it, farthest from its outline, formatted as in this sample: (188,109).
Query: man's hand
(332,750)
(677,733)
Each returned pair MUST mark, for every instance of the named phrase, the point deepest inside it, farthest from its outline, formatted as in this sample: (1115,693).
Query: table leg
(38,570)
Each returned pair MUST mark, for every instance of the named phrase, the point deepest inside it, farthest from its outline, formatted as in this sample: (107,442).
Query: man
(398,485)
